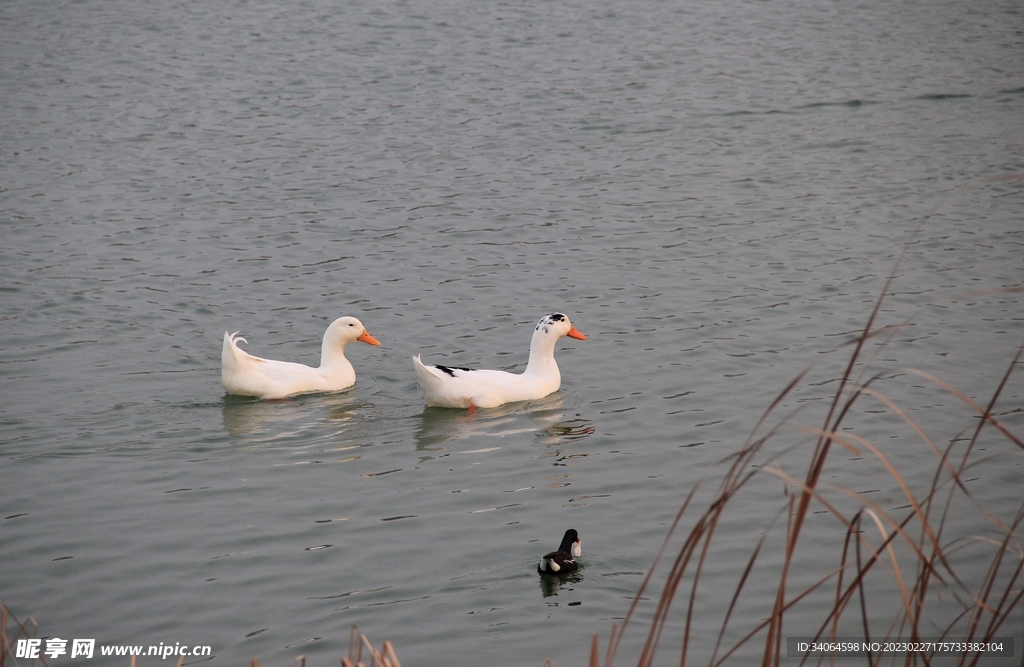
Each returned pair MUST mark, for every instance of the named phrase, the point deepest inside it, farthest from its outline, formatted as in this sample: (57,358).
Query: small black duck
(562,561)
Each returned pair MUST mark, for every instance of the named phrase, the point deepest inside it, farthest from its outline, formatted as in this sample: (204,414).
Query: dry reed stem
(807,591)
(879,516)
(23,632)
(386,657)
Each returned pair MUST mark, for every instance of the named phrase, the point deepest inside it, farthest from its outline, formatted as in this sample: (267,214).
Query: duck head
(571,543)
(558,325)
(345,330)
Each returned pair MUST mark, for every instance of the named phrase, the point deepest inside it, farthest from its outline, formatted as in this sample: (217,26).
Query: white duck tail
(230,355)
(239,370)
(432,383)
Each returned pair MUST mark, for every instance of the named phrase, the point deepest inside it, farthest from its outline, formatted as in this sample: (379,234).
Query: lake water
(714,192)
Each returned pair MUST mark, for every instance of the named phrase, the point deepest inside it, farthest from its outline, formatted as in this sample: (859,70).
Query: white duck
(452,387)
(243,374)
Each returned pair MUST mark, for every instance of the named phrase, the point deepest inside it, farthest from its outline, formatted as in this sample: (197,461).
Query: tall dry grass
(932,562)
(11,630)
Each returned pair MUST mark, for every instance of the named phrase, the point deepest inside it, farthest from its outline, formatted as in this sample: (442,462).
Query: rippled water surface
(714,192)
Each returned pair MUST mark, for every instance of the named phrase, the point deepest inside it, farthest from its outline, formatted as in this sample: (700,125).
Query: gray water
(714,192)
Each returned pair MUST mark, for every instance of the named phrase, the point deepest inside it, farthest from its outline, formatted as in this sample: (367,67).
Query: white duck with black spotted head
(243,374)
(454,387)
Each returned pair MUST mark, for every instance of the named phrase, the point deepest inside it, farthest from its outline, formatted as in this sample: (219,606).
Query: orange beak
(367,338)
(575,333)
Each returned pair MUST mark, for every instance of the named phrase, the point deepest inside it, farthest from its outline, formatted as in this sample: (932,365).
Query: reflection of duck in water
(561,431)
(452,387)
(562,561)
(328,414)
(243,374)
(437,426)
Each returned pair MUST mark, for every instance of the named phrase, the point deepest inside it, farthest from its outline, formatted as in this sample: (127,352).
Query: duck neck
(542,355)
(331,355)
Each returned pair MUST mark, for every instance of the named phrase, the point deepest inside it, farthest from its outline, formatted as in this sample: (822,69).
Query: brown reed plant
(357,641)
(927,593)
(11,630)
